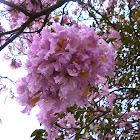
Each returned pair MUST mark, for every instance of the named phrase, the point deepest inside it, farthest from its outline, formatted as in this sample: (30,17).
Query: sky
(15,125)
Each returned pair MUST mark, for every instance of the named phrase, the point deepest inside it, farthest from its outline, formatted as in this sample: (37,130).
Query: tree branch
(14,6)
(9,32)
(21,29)
(1,77)
(44,23)
(46,12)
(94,118)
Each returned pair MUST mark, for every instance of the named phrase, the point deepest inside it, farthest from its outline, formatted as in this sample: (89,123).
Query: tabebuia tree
(82,65)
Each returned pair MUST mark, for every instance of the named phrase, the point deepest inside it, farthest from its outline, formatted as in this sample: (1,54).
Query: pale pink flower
(15,64)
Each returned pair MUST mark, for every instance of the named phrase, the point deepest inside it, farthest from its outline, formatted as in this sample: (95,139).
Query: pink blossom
(132,2)
(15,64)
(70,119)
(61,67)
(101,80)
(113,34)
(6,56)
(112,3)
(110,99)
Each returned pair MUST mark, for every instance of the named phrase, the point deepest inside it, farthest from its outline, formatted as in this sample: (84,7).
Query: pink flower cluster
(62,65)
(15,64)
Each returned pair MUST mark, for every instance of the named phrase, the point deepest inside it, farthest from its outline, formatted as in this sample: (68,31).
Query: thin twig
(46,12)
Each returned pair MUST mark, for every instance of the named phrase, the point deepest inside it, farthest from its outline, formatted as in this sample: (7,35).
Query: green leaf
(38,132)
(52,30)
